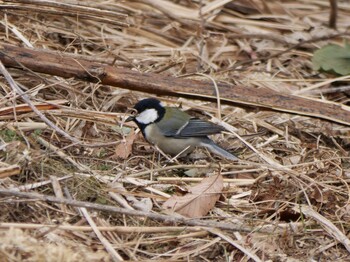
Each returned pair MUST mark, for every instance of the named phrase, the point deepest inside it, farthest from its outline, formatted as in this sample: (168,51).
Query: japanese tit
(174,131)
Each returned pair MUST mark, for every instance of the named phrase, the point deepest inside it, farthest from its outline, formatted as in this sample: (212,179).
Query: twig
(27,187)
(235,244)
(233,181)
(151,215)
(61,154)
(58,191)
(121,201)
(25,97)
(326,224)
(115,256)
(83,212)
(118,229)
(333,14)
(217,93)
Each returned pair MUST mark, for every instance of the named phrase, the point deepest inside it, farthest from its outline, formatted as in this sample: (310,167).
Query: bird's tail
(210,144)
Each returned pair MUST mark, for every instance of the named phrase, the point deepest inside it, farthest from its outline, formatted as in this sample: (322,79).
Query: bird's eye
(133,112)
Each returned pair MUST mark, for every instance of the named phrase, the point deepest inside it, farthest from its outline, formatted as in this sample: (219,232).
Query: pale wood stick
(326,224)
(58,191)
(114,254)
(227,238)
(160,217)
(118,229)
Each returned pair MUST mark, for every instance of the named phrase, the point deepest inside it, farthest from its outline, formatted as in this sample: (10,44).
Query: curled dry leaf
(200,199)
(124,149)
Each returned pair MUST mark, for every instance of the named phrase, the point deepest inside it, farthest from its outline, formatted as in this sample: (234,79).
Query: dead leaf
(200,199)
(124,149)
(319,195)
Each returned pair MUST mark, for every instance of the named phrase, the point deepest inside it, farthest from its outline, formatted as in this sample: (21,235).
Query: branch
(64,65)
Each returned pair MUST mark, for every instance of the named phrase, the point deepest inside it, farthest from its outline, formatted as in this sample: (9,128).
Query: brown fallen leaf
(124,149)
(200,199)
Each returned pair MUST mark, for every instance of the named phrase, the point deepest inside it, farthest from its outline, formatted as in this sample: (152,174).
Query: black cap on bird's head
(148,103)
(149,110)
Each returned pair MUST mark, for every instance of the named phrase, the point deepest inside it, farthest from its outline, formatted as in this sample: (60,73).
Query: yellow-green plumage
(174,131)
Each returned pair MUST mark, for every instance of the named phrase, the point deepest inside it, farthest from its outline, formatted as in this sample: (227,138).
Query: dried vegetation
(288,196)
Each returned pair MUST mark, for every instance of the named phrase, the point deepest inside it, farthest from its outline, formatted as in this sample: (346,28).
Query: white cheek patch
(148,116)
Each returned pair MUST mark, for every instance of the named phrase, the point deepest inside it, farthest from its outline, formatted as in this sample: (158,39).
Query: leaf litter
(289,194)
(124,149)
(200,199)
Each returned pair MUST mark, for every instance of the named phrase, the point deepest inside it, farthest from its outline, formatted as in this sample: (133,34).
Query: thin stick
(235,181)
(217,93)
(168,219)
(25,97)
(326,224)
(58,191)
(235,244)
(62,155)
(118,229)
(115,256)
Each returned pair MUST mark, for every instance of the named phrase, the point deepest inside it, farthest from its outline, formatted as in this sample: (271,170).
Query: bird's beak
(130,118)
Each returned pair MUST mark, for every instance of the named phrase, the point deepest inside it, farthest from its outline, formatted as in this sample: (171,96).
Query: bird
(173,131)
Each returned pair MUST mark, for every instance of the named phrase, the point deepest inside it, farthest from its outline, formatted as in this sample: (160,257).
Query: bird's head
(147,111)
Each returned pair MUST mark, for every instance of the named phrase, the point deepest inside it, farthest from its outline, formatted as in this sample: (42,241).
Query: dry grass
(294,171)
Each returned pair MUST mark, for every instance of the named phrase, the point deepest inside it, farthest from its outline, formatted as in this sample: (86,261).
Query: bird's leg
(162,153)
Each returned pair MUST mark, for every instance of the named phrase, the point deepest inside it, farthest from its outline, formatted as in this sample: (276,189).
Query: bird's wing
(198,127)
(177,123)
(173,121)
